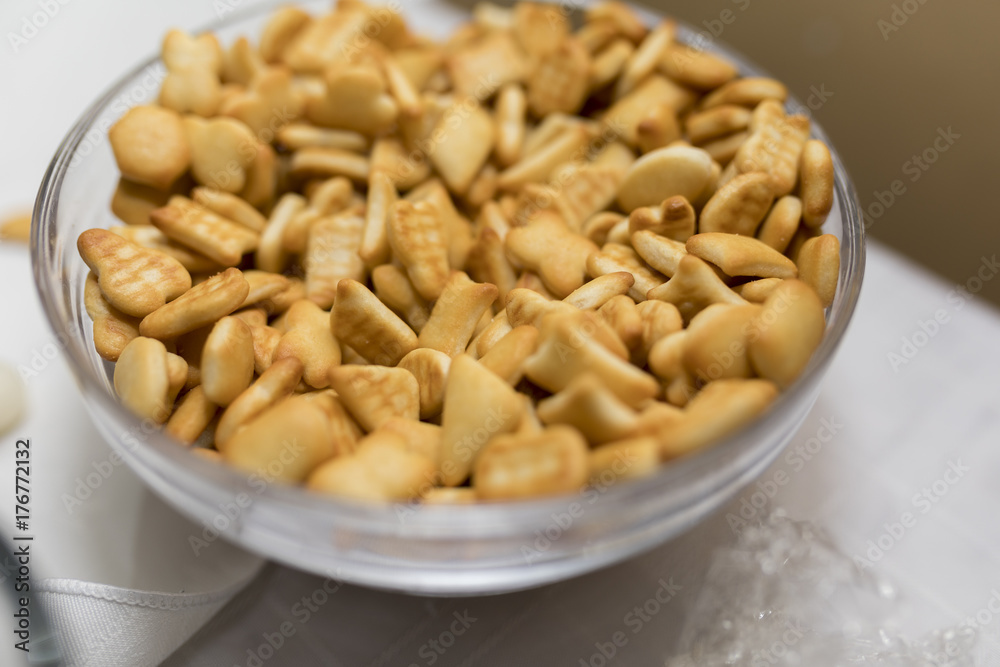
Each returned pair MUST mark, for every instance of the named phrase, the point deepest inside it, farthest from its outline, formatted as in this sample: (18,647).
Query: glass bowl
(436,550)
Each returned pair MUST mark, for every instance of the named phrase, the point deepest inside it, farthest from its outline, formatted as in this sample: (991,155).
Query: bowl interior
(445,550)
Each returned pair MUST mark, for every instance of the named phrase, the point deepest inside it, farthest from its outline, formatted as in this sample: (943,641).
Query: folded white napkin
(110,564)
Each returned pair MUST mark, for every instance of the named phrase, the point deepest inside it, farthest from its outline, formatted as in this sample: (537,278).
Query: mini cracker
(229,206)
(517,466)
(719,409)
(741,255)
(694,287)
(202,304)
(660,252)
(417,237)
(664,173)
(600,290)
(553,250)
(455,315)
(152,238)
(817,176)
(141,379)
(507,357)
(739,206)
(134,280)
(716,343)
(205,232)
(191,417)
(563,353)
(362,321)
(274,384)
(394,289)
(113,329)
(219,155)
(615,257)
(430,367)
(375,394)
(788,330)
(781,223)
(332,256)
(478,406)
(592,409)
(819,266)
(150,146)
(290,438)
(308,338)
(227,361)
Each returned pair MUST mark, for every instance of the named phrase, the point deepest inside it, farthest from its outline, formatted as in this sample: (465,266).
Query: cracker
(430,367)
(563,353)
(369,327)
(201,230)
(787,331)
(455,315)
(693,287)
(202,304)
(273,385)
(819,266)
(817,176)
(664,173)
(591,408)
(740,255)
(517,466)
(478,406)
(309,339)
(141,380)
(134,280)
(227,361)
(417,237)
(375,394)
(284,443)
(191,417)
(113,329)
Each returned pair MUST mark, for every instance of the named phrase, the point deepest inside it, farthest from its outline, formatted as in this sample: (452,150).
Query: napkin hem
(150,599)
